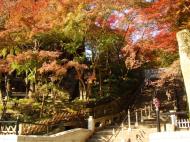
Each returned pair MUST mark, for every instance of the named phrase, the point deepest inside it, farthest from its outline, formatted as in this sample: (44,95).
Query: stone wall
(74,135)
(8,138)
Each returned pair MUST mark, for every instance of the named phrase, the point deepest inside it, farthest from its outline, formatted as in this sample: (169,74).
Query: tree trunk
(100,83)
(82,91)
(26,81)
(1,94)
(183,38)
(31,91)
(89,89)
(8,86)
(42,105)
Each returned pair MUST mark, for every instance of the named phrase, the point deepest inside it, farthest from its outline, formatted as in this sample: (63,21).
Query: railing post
(158,119)
(122,129)
(20,128)
(151,107)
(136,117)
(145,108)
(91,124)
(129,121)
(173,119)
(113,132)
(187,123)
(156,102)
(142,116)
(149,112)
(17,126)
(122,133)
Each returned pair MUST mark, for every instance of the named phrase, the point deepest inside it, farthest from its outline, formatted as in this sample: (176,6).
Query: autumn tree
(129,31)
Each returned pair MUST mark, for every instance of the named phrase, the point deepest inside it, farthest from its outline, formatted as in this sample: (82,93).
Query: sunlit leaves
(66,26)
(58,71)
(4,66)
(183,14)
(53,67)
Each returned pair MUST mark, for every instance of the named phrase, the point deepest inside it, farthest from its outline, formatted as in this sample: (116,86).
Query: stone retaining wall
(74,135)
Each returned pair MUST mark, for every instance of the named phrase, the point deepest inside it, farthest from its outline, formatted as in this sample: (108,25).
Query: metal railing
(183,123)
(9,127)
(115,133)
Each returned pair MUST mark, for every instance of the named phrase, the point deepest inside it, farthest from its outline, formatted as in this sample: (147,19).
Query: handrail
(118,130)
(120,127)
(172,113)
(7,121)
(35,123)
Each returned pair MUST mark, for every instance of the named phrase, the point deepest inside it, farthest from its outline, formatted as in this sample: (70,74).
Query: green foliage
(68,37)
(19,37)
(28,68)
(12,50)
(75,26)
(162,59)
(4,52)
(51,92)
(50,40)
(167,59)
(1,107)
(2,21)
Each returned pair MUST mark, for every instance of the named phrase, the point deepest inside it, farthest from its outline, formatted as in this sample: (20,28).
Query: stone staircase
(104,134)
(145,97)
(146,122)
(123,134)
(115,133)
(140,134)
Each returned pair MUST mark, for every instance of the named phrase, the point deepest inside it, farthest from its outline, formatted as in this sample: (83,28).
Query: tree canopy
(49,37)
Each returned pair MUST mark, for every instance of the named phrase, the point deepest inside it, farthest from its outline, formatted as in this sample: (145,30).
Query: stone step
(105,132)
(103,135)
(99,137)
(140,133)
(111,127)
(96,140)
